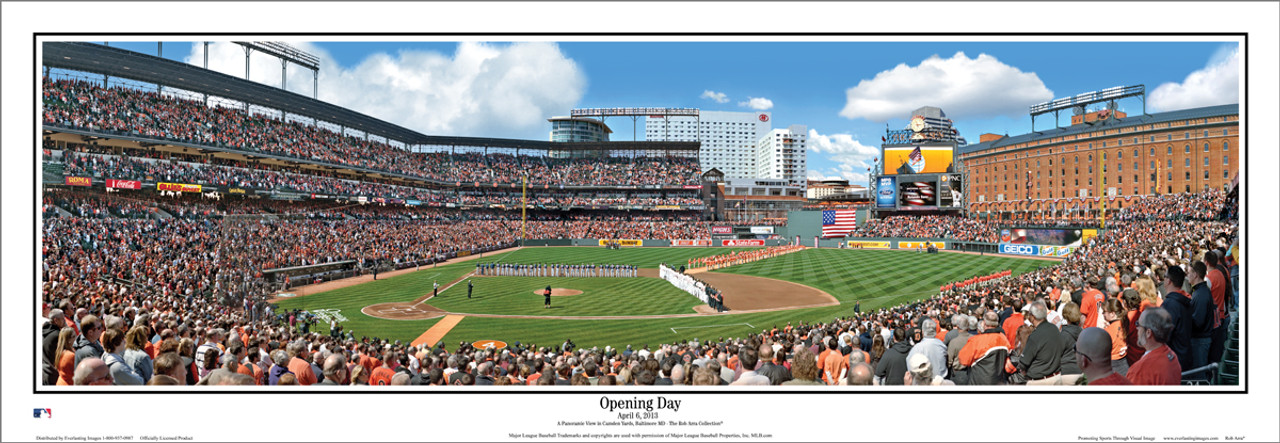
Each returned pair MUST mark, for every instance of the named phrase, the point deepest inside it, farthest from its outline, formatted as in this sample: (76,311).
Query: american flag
(839,222)
(916,155)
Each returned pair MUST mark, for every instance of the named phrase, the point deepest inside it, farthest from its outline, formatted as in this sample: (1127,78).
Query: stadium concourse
(179,300)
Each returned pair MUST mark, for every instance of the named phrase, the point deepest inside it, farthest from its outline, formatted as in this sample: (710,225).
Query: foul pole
(524,203)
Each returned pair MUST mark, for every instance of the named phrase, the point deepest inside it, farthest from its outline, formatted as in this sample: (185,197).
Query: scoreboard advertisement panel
(919,194)
(950,192)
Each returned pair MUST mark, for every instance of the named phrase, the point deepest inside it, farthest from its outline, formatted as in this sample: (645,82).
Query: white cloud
(849,157)
(962,86)
(718,97)
(1217,84)
(757,103)
(480,90)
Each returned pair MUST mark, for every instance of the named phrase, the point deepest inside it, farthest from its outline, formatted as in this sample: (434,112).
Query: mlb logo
(43,412)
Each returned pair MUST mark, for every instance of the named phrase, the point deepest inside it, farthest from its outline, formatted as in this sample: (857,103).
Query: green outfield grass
(876,278)
(642,257)
(600,296)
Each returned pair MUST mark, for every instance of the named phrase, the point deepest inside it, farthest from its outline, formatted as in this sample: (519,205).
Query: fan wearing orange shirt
(1091,305)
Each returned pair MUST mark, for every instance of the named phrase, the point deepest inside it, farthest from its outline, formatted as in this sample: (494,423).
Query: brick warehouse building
(1070,168)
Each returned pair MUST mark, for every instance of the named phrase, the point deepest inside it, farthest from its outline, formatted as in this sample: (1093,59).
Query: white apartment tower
(729,139)
(780,155)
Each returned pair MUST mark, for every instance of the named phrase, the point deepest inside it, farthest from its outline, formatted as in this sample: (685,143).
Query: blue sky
(845,92)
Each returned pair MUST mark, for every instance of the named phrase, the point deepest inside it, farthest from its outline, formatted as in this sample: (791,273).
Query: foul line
(446,288)
(673,330)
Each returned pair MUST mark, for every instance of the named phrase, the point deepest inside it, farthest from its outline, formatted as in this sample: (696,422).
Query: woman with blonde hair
(624,375)
(135,352)
(64,357)
(1147,292)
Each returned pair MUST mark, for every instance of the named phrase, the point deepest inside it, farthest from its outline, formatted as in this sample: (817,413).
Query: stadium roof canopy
(1209,111)
(116,62)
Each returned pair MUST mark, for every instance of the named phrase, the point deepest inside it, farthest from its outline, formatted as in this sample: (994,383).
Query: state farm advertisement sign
(177,187)
(124,184)
(741,242)
(690,242)
(722,229)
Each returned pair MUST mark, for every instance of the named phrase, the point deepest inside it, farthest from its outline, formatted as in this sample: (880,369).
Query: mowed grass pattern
(877,278)
(600,296)
(880,278)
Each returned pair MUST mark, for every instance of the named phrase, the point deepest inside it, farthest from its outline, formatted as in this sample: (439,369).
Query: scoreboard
(920,192)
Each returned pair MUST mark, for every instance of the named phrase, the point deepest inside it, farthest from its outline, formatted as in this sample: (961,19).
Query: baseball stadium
(198,228)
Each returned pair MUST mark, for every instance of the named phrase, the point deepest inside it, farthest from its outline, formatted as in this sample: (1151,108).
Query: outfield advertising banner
(626,242)
(1064,251)
(1020,249)
(123,184)
(722,229)
(741,242)
(1046,236)
(177,187)
(1049,251)
(921,244)
(869,244)
(762,229)
(885,191)
(690,242)
(79,181)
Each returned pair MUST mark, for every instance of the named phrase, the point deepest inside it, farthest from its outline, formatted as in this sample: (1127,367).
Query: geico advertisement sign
(1020,249)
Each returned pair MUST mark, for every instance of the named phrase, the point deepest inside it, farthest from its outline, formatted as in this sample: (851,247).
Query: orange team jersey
(834,365)
(1090,307)
(381,376)
(1118,346)
(1160,366)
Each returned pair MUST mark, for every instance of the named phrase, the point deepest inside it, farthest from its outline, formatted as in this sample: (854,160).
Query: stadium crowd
(930,226)
(144,113)
(136,301)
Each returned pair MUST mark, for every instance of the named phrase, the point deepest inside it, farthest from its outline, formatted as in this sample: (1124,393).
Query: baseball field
(810,285)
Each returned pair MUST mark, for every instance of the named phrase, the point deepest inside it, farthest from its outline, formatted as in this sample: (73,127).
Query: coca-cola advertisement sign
(722,229)
(741,242)
(124,184)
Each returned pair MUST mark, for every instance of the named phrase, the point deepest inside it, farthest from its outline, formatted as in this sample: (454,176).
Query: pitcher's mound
(558,292)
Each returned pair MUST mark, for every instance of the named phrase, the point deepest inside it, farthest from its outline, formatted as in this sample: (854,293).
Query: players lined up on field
(121,109)
(742,257)
(554,270)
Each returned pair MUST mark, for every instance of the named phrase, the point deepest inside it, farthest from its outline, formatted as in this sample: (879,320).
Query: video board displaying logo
(918,160)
